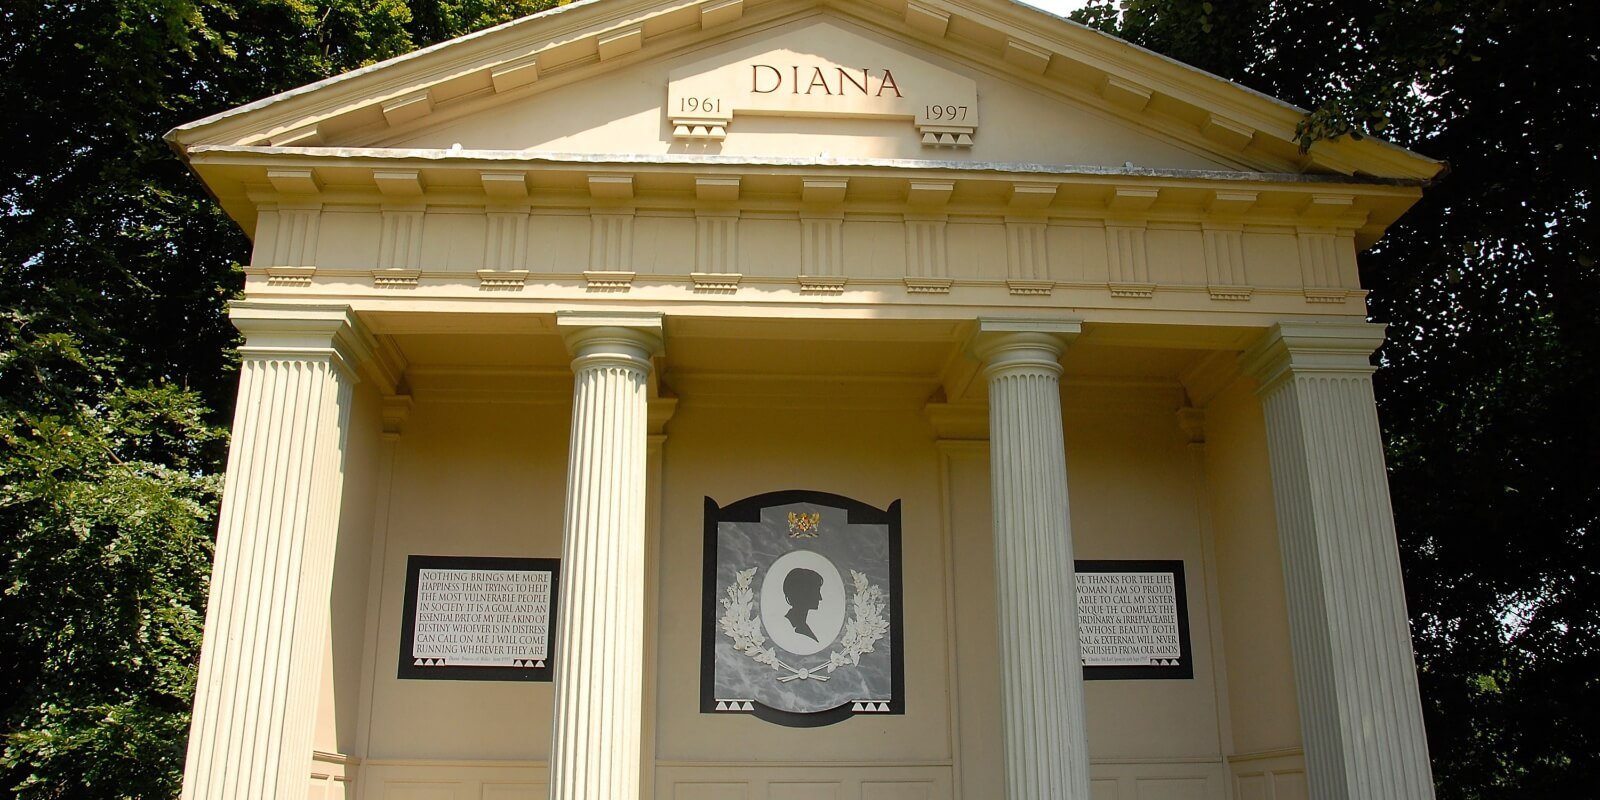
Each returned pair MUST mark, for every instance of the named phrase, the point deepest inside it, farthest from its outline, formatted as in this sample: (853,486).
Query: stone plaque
(823,70)
(472,618)
(1133,620)
(802,609)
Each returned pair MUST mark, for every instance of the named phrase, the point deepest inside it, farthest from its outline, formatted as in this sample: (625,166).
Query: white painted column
(599,663)
(267,618)
(1046,742)
(1355,676)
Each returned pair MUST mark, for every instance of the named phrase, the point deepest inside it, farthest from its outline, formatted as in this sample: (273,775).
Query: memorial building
(802,400)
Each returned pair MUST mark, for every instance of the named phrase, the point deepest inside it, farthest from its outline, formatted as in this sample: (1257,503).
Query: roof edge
(175,135)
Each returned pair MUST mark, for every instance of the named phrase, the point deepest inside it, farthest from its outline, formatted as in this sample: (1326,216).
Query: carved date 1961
(947,113)
(701,105)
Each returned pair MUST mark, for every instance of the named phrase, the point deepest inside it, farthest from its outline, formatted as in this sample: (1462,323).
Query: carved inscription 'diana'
(769,78)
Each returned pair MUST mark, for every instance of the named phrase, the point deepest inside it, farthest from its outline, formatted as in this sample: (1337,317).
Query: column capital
(274,329)
(1192,421)
(958,422)
(660,412)
(396,408)
(626,339)
(1006,344)
(1297,348)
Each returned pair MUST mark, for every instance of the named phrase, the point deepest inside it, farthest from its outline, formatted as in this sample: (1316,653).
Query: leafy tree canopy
(1493,299)
(106,513)
(114,365)
(114,268)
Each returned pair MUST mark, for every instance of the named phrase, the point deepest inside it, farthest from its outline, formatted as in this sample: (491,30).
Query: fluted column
(267,618)
(1355,675)
(1046,743)
(600,624)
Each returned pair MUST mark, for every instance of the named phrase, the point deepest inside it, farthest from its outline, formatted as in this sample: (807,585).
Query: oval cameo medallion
(803,602)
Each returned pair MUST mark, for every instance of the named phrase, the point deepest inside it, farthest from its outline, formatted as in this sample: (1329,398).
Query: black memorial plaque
(802,609)
(470,618)
(1133,620)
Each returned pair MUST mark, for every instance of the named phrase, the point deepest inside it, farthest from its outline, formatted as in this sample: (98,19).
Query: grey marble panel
(859,548)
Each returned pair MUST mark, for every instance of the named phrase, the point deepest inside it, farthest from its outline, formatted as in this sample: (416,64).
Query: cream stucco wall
(478,469)
(481,480)
(1255,622)
(468,479)
(729,450)
(1133,497)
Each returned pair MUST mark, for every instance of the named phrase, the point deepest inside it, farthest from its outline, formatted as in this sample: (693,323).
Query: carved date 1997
(948,113)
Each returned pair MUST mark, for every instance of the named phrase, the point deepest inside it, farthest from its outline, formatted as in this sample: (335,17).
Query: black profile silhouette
(803,589)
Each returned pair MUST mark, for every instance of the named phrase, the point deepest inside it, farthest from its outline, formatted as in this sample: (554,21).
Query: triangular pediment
(975,81)
(820,86)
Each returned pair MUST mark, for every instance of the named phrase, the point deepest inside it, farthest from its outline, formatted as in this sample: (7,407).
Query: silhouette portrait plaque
(802,609)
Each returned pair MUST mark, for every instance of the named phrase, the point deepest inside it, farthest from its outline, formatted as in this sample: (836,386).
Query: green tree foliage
(114,271)
(106,513)
(114,268)
(1489,377)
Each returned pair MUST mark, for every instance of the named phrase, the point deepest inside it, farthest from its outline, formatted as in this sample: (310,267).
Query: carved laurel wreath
(866,626)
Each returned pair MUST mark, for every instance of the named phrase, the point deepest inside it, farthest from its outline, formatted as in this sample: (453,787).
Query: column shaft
(600,630)
(1355,676)
(267,618)
(1046,744)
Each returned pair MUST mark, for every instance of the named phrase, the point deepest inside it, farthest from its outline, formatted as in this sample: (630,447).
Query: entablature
(788,230)
(247,179)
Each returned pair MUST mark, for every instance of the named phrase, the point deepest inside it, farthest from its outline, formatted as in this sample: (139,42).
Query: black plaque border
(1185,667)
(414,566)
(749,510)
